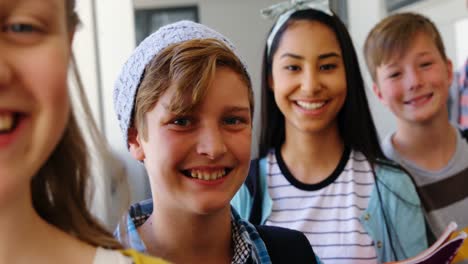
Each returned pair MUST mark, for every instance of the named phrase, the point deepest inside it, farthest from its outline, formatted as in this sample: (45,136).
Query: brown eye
(328,67)
(292,68)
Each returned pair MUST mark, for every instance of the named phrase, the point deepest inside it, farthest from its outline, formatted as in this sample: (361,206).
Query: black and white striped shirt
(327,212)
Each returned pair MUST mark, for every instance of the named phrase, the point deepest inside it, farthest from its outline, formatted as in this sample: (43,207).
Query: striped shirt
(444,192)
(327,212)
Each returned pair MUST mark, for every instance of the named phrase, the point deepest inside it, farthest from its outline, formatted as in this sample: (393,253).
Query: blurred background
(111,29)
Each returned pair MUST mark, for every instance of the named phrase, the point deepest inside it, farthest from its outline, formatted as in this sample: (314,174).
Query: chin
(211,208)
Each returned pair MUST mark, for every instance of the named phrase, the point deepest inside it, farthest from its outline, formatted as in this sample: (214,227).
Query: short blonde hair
(392,37)
(188,67)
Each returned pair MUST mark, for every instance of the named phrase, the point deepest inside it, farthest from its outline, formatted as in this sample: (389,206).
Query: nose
(5,69)
(311,82)
(211,142)
(415,79)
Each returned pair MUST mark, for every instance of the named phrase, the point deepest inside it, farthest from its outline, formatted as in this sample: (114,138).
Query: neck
(312,157)
(182,237)
(25,237)
(436,139)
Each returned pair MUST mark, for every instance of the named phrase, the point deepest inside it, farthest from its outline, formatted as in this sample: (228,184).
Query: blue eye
(183,122)
(394,75)
(426,64)
(20,28)
(234,121)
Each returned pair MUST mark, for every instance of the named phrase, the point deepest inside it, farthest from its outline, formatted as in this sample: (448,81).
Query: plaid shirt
(248,246)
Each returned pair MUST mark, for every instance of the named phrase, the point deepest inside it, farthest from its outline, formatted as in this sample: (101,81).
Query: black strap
(286,246)
(464,133)
(253,185)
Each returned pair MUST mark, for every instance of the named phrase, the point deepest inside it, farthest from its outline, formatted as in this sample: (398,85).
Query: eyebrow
(294,56)
(320,57)
(226,109)
(237,109)
(394,63)
(423,53)
(34,7)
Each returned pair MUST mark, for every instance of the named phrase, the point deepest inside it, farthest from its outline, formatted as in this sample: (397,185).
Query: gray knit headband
(128,81)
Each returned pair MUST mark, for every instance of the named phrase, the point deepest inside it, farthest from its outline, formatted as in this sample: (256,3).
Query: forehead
(304,35)
(419,45)
(226,89)
(227,86)
(37,5)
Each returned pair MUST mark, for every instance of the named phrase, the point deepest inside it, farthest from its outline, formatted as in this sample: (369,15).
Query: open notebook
(442,251)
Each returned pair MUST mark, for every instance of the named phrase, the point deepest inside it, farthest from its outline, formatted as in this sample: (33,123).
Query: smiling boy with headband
(184,102)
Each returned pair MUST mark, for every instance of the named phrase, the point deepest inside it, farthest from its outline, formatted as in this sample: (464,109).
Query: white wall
(98,58)
(461,37)
(359,27)
(86,55)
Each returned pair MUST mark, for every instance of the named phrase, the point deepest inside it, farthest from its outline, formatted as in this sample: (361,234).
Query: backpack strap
(286,246)
(252,183)
(464,133)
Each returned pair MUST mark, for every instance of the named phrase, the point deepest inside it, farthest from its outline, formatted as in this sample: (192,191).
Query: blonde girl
(44,162)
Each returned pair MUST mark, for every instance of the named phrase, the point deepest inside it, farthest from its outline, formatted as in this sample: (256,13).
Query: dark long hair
(355,123)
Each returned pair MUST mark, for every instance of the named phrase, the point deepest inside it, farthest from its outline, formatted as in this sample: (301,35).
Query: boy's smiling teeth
(207,175)
(311,105)
(6,122)
(418,99)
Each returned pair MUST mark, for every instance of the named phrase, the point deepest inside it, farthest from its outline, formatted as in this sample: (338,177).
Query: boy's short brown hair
(392,36)
(189,67)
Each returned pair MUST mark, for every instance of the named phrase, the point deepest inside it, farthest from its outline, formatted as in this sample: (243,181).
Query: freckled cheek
(170,147)
(240,144)
(163,156)
(440,83)
(394,92)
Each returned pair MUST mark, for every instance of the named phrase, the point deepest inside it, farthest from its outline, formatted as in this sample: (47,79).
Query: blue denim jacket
(405,226)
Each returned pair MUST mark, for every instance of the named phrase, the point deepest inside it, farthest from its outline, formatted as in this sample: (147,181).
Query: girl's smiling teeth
(311,105)
(206,175)
(7,121)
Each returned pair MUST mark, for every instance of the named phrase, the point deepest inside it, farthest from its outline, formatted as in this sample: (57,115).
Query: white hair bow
(282,12)
(276,10)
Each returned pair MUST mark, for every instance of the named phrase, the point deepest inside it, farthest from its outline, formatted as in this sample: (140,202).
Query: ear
(450,70)
(71,36)
(134,142)
(378,93)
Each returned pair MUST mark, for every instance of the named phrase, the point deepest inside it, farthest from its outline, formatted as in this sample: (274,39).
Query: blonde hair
(393,36)
(61,187)
(189,67)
